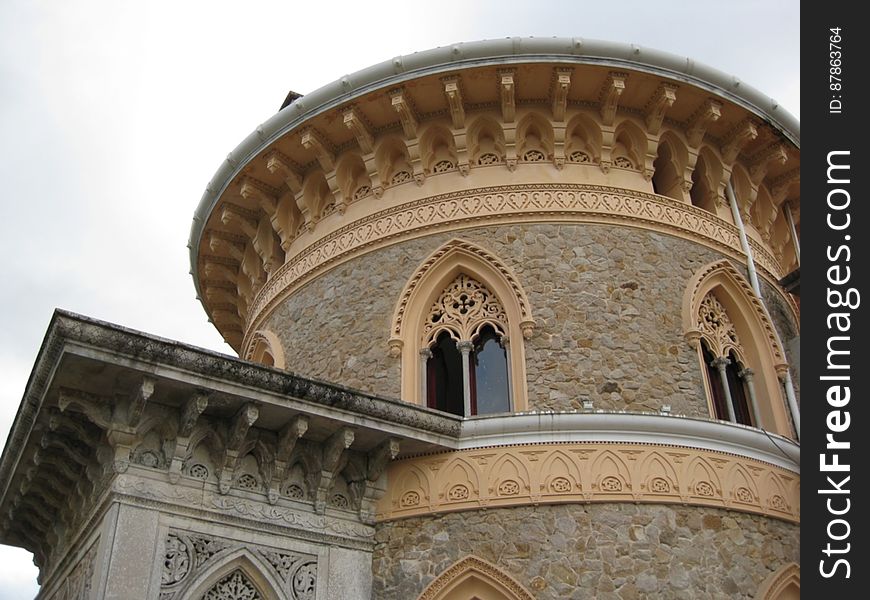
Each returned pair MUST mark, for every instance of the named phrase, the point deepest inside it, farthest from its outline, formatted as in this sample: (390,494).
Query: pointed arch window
(465,355)
(730,381)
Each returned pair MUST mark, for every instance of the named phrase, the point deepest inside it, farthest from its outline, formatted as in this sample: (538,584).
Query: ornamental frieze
(504,204)
(603,472)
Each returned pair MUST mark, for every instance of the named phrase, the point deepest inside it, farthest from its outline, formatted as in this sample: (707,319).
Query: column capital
(465,346)
(747,374)
(720,363)
(425,353)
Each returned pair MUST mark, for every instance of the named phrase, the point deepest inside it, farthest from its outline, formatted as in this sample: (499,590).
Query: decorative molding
(584,472)
(188,556)
(477,568)
(502,204)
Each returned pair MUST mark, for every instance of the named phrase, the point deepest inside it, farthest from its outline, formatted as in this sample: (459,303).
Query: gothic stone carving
(187,554)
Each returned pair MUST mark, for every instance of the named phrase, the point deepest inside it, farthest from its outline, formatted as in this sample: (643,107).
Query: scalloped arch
(473,577)
(782,584)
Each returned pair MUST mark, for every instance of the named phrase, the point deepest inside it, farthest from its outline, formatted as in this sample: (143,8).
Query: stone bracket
(743,133)
(354,122)
(453,93)
(287,439)
(311,140)
(561,87)
(375,484)
(400,102)
(508,94)
(242,421)
(662,99)
(709,112)
(612,89)
(334,459)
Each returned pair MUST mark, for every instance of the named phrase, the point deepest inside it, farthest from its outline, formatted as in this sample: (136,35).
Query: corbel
(135,404)
(70,450)
(287,439)
(334,452)
(263,194)
(609,95)
(232,244)
(187,418)
(222,268)
(658,104)
(96,408)
(453,94)
(279,164)
(354,122)
(242,421)
(401,104)
(508,94)
(775,153)
(312,141)
(708,113)
(779,187)
(375,482)
(267,247)
(742,133)
(219,294)
(60,423)
(561,87)
(243,218)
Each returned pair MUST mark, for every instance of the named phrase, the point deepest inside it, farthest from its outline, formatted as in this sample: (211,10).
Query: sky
(114,115)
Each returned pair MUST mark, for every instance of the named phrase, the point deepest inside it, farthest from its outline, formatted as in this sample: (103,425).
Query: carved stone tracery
(234,586)
(717,328)
(462,309)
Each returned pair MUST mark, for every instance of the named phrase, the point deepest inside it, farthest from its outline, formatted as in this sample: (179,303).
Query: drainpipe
(797,244)
(753,280)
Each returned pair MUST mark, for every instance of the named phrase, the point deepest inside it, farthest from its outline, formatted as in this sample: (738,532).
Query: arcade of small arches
(322,177)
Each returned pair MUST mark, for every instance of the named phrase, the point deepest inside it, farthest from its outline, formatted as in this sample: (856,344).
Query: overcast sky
(115,114)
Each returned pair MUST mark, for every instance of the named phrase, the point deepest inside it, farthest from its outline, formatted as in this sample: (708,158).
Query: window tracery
(234,586)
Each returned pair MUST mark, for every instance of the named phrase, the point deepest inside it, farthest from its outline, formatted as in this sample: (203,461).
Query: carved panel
(556,473)
(187,555)
(77,585)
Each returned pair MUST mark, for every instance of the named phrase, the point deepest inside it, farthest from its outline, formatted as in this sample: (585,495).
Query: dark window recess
(738,391)
(489,374)
(444,376)
(715,384)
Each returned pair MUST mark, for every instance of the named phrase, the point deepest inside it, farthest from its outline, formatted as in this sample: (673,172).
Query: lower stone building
(511,327)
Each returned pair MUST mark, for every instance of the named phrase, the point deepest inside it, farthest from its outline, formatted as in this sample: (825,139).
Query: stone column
(747,376)
(465,347)
(425,355)
(505,340)
(721,364)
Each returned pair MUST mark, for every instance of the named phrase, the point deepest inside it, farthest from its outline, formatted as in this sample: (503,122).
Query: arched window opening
(733,395)
(489,374)
(444,382)
(466,362)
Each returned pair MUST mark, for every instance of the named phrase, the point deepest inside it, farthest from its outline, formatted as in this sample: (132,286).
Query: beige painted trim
(473,577)
(587,472)
(761,347)
(782,584)
(428,281)
(508,204)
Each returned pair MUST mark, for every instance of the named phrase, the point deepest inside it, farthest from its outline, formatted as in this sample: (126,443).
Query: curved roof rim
(513,50)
